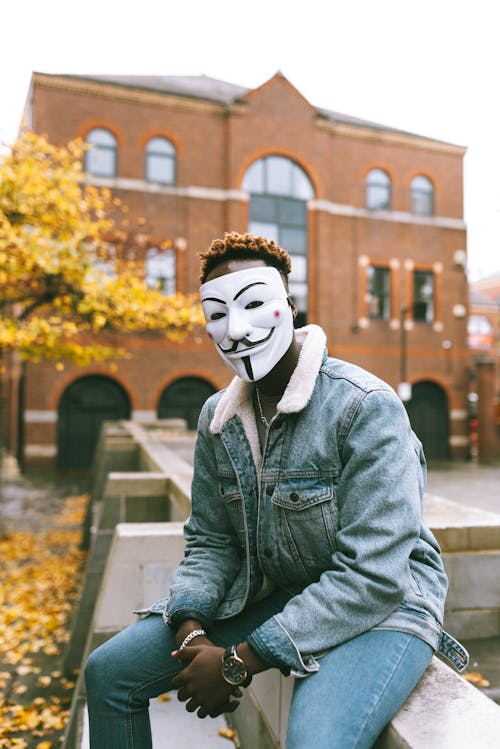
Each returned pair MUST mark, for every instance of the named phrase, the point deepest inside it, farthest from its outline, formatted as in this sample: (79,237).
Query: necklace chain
(259,406)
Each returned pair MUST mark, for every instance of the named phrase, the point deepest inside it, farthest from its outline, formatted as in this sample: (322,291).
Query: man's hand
(200,682)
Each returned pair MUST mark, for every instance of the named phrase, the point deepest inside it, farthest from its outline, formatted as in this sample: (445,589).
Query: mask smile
(233,350)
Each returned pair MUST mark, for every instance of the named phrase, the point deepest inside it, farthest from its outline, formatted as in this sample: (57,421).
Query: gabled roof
(222,92)
(191,86)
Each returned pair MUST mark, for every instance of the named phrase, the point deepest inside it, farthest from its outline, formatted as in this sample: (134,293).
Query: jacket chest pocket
(230,494)
(306,514)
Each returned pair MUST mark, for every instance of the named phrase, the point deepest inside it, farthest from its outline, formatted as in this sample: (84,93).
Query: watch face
(233,670)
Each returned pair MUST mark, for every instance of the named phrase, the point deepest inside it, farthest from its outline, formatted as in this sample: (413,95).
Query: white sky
(431,67)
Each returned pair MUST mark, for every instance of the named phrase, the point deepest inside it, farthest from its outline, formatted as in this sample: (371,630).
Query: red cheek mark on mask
(276,313)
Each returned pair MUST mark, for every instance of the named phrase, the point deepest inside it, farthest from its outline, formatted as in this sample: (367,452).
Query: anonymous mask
(249,319)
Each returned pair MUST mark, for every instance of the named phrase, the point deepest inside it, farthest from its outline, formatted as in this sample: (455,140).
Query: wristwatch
(234,670)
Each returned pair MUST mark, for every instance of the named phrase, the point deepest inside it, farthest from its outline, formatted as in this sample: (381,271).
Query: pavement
(471,483)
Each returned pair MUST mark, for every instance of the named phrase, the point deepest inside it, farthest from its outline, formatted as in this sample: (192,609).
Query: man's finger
(185,655)
(228,707)
(192,705)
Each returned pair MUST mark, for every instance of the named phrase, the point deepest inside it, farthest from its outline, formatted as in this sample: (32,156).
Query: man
(305,547)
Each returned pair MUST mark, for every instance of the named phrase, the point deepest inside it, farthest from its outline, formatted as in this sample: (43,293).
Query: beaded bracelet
(191,636)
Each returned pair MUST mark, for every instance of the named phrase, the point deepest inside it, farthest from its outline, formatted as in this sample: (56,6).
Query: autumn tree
(69,262)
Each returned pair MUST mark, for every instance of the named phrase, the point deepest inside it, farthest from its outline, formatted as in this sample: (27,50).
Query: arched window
(279,190)
(160,161)
(378,190)
(100,159)
(422,196)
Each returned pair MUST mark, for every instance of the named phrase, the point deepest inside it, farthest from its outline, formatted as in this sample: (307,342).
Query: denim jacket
(330,510)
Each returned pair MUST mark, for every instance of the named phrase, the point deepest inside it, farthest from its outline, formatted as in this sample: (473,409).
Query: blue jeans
(360,685)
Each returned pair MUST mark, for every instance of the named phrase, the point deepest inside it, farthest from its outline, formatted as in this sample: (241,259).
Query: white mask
(249,319)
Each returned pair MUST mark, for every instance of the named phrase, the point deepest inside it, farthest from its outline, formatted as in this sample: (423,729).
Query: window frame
(168,156)
(272,214)
(386,295)
(103,148)
(417,194)
(371,184)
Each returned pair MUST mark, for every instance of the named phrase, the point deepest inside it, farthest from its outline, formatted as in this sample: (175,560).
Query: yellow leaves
(40,583)
(66,271)
(231,734)
(474,677)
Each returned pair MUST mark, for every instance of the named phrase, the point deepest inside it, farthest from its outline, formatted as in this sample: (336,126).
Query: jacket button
(268,553)
(269,490)
(294,497)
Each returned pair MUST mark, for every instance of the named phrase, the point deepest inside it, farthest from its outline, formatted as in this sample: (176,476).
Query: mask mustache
(247,343)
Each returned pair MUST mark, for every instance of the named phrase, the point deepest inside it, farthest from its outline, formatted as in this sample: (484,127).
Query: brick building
(372,217)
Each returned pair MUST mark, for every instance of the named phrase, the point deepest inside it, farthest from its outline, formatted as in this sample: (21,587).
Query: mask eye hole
(253,305)
(217,315)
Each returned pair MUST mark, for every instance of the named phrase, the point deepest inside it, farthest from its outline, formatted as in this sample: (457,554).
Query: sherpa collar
(238,397)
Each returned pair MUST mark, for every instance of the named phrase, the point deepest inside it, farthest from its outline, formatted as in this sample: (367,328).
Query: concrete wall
(146,554)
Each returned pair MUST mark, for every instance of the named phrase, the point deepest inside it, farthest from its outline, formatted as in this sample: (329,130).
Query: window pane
(262,229)
(423,296)
(254,178)
(100,159)
(160,145)
(160,168)
(378,191)
(378,293)
(293,240)
(299,269)
(276,175)
(279,176)
(264,208)
(422,196)
(302,187)
(292,211)
(160,271)
(101,137)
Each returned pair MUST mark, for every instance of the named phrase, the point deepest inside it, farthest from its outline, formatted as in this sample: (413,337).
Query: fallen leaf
(474,677)
(229,733)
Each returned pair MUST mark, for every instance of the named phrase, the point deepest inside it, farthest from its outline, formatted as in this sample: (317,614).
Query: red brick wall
(215,145)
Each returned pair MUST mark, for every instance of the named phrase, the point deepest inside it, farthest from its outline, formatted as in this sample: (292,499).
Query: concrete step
(173,727)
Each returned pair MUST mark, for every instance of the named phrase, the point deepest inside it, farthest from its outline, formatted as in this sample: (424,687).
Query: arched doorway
(84,405)
(183,399)
(430,420)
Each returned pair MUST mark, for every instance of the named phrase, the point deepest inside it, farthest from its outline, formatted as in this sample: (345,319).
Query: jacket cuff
(194,604)
(175,620)
(274,646)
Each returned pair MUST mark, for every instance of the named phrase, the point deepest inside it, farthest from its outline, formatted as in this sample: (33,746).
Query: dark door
(429,417)
(85,404)
(183,399)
